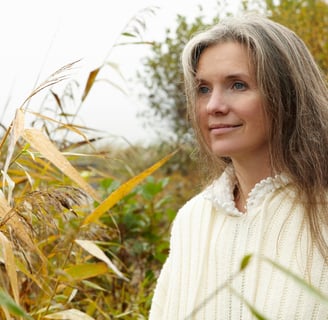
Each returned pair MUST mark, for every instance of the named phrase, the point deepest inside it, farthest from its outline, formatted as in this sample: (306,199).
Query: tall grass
(59,237)
(77,242)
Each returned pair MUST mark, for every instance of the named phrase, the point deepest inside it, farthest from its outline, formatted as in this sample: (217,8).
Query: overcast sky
(40,36)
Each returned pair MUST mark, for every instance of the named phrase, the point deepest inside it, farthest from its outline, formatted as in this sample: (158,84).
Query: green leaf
(93,285)
(128,34)
(7,302)
(85,271)
(244,263)
(93,249)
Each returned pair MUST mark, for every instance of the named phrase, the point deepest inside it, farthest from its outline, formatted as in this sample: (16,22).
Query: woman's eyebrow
(237,75)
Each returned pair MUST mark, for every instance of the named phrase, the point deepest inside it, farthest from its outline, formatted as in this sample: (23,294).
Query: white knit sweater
(209,239)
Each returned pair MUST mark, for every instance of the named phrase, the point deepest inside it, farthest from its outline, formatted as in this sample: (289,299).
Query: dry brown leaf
(8,216)
(9,260)
(91,80)
(18,125)
(70,314)
(17,129)
(42,144)
(57,76)
(74,128)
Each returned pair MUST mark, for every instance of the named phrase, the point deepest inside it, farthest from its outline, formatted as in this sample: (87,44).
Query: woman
(259,107)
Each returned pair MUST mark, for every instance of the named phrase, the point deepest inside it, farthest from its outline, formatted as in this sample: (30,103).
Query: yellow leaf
(92,77)
(123,190)
(93,249)
(85,271)
(42,144)
(9,260)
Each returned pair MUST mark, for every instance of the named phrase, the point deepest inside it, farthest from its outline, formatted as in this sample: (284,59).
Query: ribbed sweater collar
(220,192)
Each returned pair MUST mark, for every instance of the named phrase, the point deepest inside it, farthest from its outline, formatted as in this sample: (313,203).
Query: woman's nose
(217,103)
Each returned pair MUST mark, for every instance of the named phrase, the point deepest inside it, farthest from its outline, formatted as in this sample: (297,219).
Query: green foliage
(143,218)
(12,306)
(309,20)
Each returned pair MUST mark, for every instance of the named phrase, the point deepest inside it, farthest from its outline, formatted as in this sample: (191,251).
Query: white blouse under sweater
(209,239)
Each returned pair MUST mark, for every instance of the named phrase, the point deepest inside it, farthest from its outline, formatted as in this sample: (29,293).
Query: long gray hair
(295,99)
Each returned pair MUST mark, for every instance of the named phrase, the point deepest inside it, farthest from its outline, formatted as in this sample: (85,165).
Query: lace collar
(220,192)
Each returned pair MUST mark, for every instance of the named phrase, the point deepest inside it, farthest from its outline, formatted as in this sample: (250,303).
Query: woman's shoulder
(196,202)
(206,199)
(195,207)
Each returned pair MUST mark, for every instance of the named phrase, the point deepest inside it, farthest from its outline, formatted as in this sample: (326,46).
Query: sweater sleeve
(175,275)
(161,289)
(169,270)
(160,293)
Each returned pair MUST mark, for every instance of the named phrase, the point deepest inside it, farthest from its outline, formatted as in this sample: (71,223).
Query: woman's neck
(247,177)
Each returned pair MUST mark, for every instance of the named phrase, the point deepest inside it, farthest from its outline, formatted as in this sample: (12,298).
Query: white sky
(40,36)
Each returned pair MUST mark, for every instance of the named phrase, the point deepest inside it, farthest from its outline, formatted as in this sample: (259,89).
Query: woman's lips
(223,128)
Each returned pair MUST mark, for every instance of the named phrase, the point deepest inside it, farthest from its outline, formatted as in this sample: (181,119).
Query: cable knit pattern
(200,279)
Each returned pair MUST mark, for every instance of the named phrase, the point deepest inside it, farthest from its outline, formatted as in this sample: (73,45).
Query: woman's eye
(239,86)
(203,89)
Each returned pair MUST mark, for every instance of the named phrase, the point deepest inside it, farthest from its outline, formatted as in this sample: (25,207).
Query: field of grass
(83,231)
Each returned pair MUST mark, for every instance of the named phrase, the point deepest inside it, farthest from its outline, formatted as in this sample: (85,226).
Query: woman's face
(229,104)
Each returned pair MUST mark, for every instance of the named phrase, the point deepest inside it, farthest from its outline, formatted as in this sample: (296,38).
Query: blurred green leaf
(93,249)
(84,271)
(7,302)
(246,260)
(127,34)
